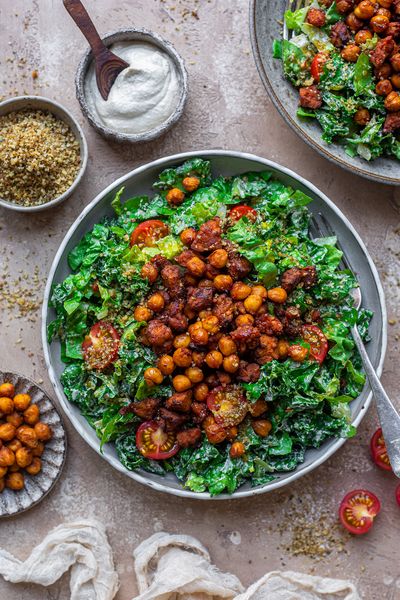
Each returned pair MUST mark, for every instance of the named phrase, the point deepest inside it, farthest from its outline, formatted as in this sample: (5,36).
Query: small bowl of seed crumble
(43,153)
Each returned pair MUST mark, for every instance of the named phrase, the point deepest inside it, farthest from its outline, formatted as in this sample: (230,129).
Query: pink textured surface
(227,108)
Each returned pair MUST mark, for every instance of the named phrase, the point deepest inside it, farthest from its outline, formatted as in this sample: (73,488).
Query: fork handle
(388,416)
(79,14)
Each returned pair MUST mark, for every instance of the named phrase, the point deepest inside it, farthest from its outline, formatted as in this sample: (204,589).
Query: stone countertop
(228,108)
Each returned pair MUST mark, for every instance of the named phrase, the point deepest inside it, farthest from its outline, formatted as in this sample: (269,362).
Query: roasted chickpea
(258,408)
(35,467)
(385,12)
(14,445)
(214,432)
(15,481)
(182,340)
(7,457)
(252,303)
(191,183)
(3,471)
(6,405)
(181,383)
(187,236)
(385,3)
(232,433)
(22,401)
(153,376)
(149,272)
(223,283)
(199,336)
(259,290)
(353,22)
(27,436)
(364,10)
(392,102)
(194,374)
(277,295)
(196,266)
(156,302)
(383,88)
(201,392)
(218,258)
(43,432)
(231,363)
(297,353)
(395,62)
(362,36)
(38,451)
(7,389)
(142,313)
(175,197)
(15,419)
(23,457)
(283,348)
(211,324)
(31,414)
(7,432)
(344,6)
(240,290)
(395,79)
(384,71)
(214,359)
(262,427)
(362,117)
(379,24)
(227,345)
(198,358)
(166,364)
(237,450)
(182,357)
(244,320)
(351,53)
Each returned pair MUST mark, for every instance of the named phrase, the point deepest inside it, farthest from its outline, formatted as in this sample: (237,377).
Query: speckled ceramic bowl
(140,35)
(53,457)
(266,17)
(59,111)
(227,163)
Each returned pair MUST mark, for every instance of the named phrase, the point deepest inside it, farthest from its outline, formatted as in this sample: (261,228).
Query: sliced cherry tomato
(317,340)
(100,346)
(398,494)
(379,452)
(228,405)
(317,65)
(358,510)
(154,442)
(148,233)
(237,212)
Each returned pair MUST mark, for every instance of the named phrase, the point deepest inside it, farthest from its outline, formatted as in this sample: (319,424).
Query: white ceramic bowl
(139,182)
(41,103)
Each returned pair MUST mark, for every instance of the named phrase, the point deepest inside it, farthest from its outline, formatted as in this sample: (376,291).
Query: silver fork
(388,416)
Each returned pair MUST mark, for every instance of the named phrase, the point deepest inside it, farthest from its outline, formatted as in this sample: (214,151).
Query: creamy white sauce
(143,96)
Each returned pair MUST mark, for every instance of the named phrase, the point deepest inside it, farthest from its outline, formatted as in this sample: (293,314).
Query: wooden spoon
(108,65)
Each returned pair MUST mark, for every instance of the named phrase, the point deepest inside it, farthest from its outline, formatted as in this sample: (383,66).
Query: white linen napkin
(167,567)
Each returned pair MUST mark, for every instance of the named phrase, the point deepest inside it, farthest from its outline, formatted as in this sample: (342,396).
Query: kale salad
(343,57)
(205,334)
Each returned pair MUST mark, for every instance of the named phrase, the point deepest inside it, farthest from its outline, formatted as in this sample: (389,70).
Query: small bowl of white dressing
(147,97)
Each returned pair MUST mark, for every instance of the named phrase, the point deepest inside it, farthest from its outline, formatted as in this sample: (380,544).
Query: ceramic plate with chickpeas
(199,337)
(332,69)
(32,444)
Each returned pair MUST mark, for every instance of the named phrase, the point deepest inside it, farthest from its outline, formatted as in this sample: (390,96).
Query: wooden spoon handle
(80,16)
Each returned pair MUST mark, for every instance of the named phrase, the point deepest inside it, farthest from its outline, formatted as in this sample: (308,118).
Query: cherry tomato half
(317,340)
(154,442)
(317,65)
(237,212)
(228,405)
(397,492)
(148,233)
(378,451)
(358,510)
(100,346)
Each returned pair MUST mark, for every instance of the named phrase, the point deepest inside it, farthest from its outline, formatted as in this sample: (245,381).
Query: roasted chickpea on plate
(206,334)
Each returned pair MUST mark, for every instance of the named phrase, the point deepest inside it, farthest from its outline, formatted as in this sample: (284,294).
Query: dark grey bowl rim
(292,123)
(44,103)
(122,35)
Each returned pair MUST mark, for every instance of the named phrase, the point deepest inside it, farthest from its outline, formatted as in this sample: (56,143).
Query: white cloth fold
(167,567)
